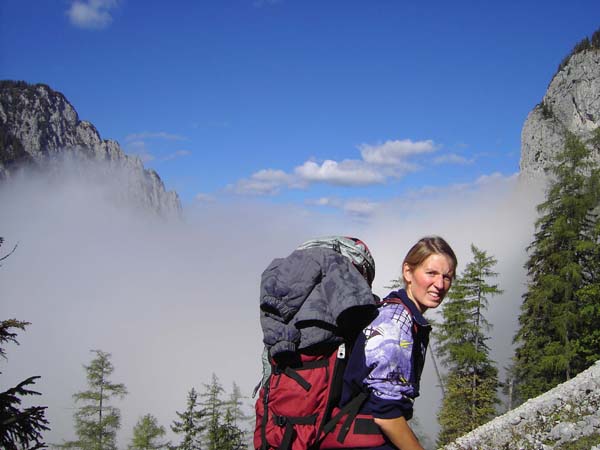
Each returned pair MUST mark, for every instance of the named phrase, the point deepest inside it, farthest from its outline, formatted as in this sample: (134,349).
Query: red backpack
(297,407)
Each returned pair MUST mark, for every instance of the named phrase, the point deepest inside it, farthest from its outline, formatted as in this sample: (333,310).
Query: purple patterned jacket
(388,358)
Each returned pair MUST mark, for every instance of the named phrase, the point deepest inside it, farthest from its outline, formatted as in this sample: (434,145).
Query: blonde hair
(424,248)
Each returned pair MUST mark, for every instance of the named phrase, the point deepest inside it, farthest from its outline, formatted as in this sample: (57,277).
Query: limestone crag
(567,416)
(39,128)
(571,103)
(560,418)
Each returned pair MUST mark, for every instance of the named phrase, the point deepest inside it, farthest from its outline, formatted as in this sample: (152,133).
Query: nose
(438,282)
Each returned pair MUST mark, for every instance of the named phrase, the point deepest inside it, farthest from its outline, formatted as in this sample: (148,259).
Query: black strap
(313,364)
(336,383)
(288,422)
(366,426)
(265,418)
(351,409)
(294,375)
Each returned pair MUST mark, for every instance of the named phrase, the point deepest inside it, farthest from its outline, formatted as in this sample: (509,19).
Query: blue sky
(342,104)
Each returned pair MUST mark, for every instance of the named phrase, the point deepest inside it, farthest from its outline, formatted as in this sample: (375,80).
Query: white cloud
(494,178)
(452,158)
(353,207)
(395,153)
(175,155)
(379,162)
(324,201)
(146,157)
(360,207)
(204,198)
(139,149)
(345,173)
(263,182)
(154,135)
(91,14)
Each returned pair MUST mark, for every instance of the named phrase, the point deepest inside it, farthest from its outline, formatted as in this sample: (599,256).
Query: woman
(388,356)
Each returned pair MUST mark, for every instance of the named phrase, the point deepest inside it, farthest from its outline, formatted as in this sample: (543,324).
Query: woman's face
(429,282)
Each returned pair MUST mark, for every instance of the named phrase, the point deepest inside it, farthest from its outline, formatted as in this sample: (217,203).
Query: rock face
(40,129)
(571,103)
(565,416)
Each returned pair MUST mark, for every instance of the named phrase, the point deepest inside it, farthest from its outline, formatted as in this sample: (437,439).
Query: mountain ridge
(39,128)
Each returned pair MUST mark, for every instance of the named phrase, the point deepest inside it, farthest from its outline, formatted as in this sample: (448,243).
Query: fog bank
(174,301)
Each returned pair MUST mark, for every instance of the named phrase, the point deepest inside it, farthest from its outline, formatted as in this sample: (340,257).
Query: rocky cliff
(571,103)
(566,417)
(40,129)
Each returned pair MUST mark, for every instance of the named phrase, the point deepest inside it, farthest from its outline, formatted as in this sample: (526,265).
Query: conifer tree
(233,428)
(471,381)
(19,427)
(558,334)
(235,404)
(147,434)
(229,435)
(213,407)
(96,421)
(190,424)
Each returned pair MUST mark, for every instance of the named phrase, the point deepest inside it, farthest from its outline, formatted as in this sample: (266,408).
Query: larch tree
(147,434)
(96,420)
(471,380)
(235,404)
(190,424)
(233,433)
(229,435)
(213,406)
(558,333)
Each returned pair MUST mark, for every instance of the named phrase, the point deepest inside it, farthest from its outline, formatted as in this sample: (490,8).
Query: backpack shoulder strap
(399,301)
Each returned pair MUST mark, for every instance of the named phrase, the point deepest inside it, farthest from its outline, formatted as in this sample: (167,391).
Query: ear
(406,272)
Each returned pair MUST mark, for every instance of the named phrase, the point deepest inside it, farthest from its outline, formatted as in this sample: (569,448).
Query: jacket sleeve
(388,352)
(314,295)
(286,284)
(342,300)
(279,337)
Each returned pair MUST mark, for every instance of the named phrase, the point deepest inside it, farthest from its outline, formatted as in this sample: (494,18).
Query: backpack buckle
(341,353)
(280,421)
